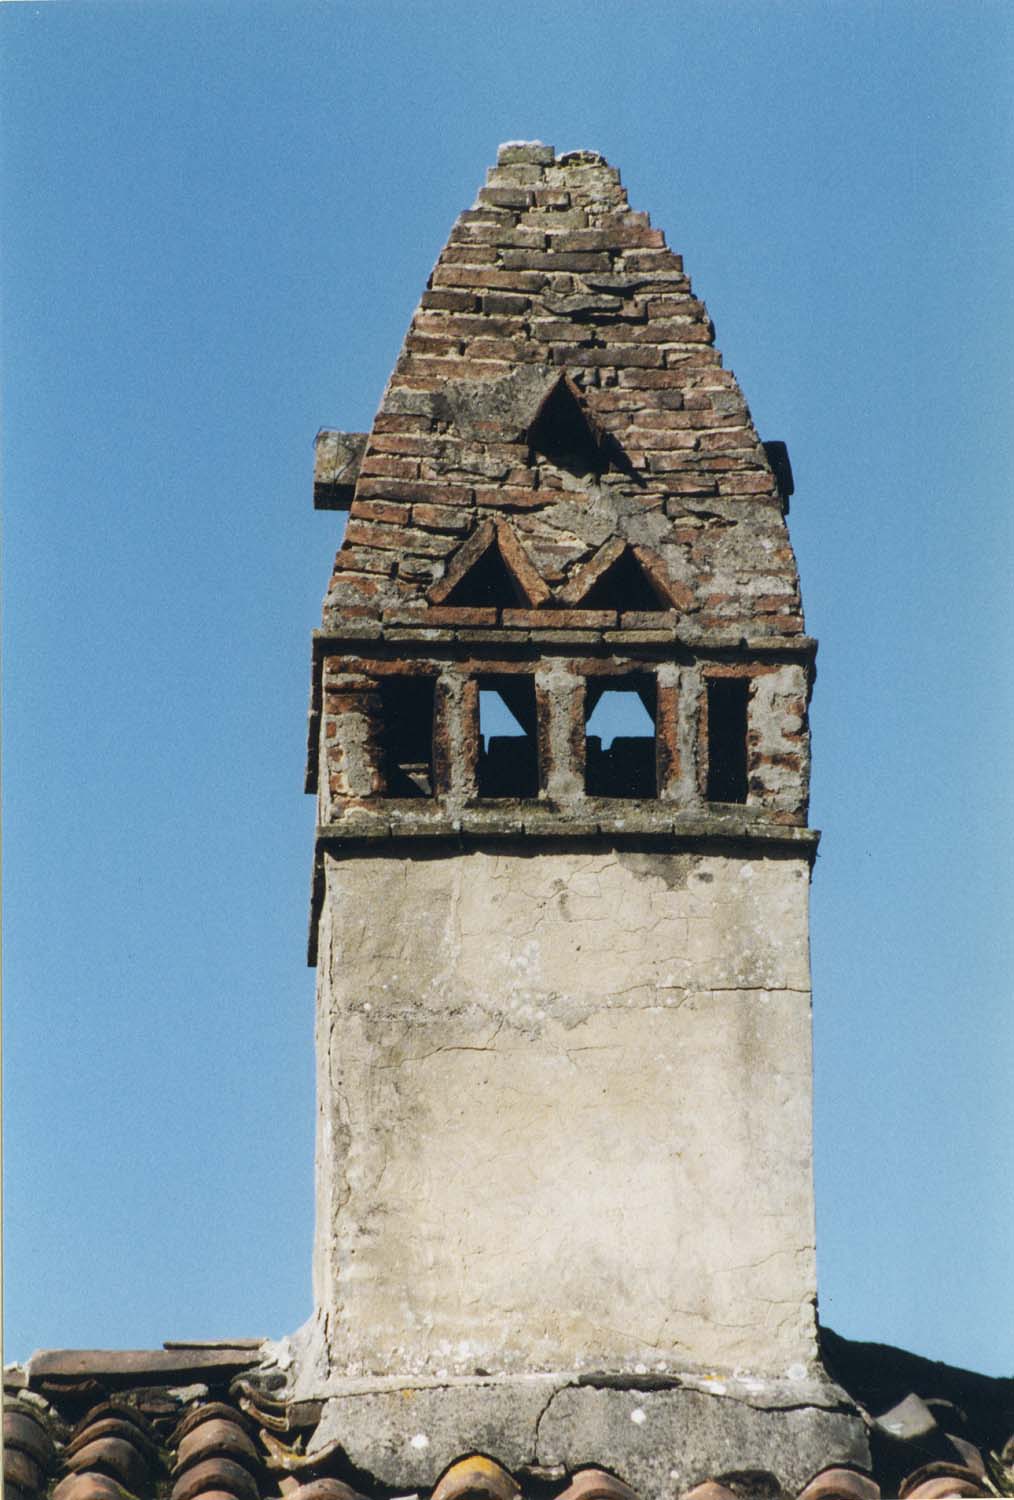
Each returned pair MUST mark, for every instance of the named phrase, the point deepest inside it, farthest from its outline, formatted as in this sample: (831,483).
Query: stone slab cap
(336,460)
(163,1365)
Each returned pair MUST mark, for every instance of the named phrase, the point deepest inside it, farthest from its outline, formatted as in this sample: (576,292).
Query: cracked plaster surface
(564,1112)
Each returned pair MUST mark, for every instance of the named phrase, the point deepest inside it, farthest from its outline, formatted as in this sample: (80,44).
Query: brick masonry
(551,292)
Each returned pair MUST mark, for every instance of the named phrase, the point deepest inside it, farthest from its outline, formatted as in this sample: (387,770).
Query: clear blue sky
(218,219)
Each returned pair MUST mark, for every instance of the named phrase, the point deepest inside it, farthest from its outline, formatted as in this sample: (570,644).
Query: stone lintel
(189,1362)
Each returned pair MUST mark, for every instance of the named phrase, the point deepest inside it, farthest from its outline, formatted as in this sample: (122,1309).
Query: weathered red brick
(391,421)
(652,260)
(445,614)
(440,518)
(469,255)
(511,497)
(661,331)
(644,380)
(401,489)
(421,444)
(398,538)
(617,236)
(505,302)
(450,301)
(556,260)
(487,214)
(551,198)
(662,437)
(426,343)
(771,604)
(560,619)
(506,197)
(752,483)
(509,281)
(434,371)
(563,331)
(380,510)
(515,351)
(465,325)
(622,356)
(362,560)
(651,619)
(389,465)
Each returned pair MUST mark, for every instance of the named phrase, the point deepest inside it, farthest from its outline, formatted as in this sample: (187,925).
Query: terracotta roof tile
(841,1484)
(89,1487)
(476,1478)
(212,1443)
(323,1489)
(597,1484)
(939,1479)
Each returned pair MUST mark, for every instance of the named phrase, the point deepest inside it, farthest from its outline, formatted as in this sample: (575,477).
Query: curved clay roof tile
(323,1489)
(220,1437)
(113,1456)
(218,1474)
(90,1486)
(25,1432)
(23,1470)
(597,1484)
(479,1477)
(208,1411)
(112,1427)
(937,1480)
(840,1484)
(106,1410)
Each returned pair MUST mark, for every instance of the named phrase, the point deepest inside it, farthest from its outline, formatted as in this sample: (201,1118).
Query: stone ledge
(646,642)
(588,819)
(381,834)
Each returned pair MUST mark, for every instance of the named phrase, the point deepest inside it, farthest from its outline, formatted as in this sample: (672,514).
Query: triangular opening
(563,433)
(488,583)
(624,585)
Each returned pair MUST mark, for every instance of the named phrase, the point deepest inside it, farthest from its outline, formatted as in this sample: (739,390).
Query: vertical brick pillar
(559,696)
(669,757)
(455,736)
(350,744)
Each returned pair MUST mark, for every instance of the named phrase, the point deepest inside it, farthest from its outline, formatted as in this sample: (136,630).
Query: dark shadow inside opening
(727,723)
(407,736)
(620,750)
(508,745)
(488,583)
(624,586)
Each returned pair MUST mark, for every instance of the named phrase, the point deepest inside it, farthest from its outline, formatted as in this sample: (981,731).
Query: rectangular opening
(727,722)
(508,744)
(620,755)
(407,736)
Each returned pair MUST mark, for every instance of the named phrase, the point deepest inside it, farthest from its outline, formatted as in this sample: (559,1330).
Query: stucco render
(564,1111)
